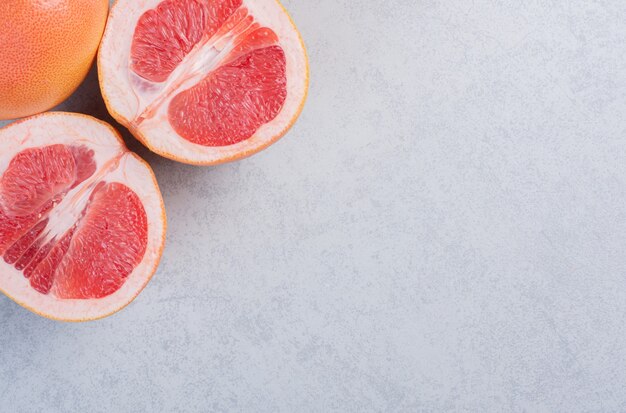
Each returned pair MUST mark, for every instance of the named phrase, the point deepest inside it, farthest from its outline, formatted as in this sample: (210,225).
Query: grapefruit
(48,47)
(82,223)
(203,81)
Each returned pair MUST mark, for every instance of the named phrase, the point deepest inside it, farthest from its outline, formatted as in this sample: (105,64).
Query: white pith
(126,102)
(62,128)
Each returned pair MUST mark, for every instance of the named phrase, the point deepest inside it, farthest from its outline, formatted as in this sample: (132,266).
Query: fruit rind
(49,60)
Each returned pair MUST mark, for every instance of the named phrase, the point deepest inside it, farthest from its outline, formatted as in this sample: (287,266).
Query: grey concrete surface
(442,231)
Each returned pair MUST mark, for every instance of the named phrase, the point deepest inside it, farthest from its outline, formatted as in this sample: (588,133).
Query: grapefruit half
(82,222)
(203,81)
(48,47)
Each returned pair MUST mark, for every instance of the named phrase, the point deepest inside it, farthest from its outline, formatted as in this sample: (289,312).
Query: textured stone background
(443,230)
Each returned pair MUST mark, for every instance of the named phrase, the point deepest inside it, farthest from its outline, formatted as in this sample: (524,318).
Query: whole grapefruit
(48,47)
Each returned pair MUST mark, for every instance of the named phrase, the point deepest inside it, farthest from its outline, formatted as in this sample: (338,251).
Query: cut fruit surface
(82,223)
(203,81)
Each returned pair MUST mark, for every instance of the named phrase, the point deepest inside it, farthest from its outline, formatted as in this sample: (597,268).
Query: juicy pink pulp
(95,256)
(247,87)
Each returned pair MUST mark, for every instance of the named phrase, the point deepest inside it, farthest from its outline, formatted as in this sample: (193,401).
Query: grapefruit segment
(88,271)
(234,101)
(42,271)
(81,218)
(203,81)
(167,33)
(13,227)
(35,176)
(21,246)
